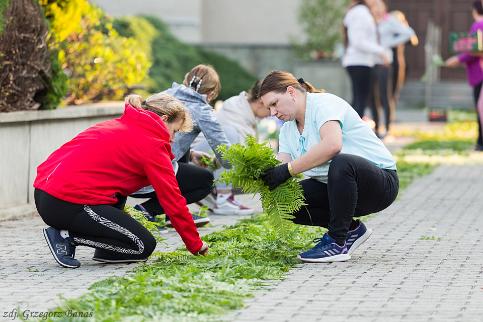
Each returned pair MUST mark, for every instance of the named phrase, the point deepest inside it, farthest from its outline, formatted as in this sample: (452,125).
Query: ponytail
(203,79)
(163,105)
(134,100)
(309,87)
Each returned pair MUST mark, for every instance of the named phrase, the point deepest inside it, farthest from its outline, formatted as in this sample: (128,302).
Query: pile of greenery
(248,163)
(178,286)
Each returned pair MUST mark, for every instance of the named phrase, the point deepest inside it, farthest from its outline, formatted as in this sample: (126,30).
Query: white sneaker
(227,205)
(209,201)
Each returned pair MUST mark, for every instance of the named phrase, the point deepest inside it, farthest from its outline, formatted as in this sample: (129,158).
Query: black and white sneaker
(63,249)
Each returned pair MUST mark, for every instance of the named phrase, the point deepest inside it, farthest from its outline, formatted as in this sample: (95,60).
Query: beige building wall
(182,16)
(253,22)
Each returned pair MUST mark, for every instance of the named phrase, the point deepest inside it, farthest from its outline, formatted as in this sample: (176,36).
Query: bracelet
(290,169)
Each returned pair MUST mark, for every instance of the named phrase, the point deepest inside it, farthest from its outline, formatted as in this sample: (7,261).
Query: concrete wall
(250,21)
(182,16)
(26,140)
(218,21)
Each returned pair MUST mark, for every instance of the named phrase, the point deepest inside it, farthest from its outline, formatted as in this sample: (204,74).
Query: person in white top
(391,33)
(362,50)
(238,118)
(243,112)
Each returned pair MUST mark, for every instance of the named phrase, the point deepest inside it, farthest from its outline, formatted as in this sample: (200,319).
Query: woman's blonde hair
(204,80)
(278,81)
(163,104)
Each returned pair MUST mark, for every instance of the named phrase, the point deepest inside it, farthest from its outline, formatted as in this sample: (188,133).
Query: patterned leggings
(114,234)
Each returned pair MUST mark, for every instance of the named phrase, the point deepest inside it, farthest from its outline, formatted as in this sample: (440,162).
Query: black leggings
(381,85)
(476,95)
(114,234)
(194,182)
(356,187)
(361,79)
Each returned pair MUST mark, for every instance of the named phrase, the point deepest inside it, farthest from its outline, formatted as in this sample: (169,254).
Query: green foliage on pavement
(244,257)
(178,286)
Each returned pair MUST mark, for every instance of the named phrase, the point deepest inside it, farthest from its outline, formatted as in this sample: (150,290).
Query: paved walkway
(424,262)
(30,279)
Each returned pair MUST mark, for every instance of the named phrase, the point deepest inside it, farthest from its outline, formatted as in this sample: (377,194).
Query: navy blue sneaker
(356,237)
(198,220)
(145,212)
(63,249)
(326,250)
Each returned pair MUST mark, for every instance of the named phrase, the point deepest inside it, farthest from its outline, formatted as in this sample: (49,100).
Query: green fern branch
(248,162)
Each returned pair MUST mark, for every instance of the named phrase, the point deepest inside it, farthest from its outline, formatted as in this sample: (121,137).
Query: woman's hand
(202,159)
(203,250)
(452,62)
(385,59)
(275,176)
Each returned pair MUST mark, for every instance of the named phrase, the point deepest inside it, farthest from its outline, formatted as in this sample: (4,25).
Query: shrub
(25,74)
(3,7)
(172,59)
(321,21)
(100,63)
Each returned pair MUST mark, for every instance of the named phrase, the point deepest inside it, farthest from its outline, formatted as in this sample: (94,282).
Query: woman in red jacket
(81,188)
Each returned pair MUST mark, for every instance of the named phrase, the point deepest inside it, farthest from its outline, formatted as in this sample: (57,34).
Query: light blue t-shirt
(357,137)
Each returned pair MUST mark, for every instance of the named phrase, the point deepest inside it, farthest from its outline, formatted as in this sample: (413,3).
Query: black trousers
(355,187)
(194,182)
(380,89)
(114,234)
(476,95)
(361,80)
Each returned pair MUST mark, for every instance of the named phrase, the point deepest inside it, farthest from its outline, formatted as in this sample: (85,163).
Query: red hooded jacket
(118,157)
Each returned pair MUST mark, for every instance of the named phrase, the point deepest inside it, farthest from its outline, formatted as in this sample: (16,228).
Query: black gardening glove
(275,176)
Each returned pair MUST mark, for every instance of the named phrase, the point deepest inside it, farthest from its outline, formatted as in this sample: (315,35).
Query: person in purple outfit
(473,68)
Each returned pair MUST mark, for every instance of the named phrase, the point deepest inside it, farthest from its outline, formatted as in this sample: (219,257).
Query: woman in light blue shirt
(350,172)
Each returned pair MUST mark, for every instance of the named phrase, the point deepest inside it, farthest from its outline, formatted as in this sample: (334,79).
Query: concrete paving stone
(397,275)
(50,280)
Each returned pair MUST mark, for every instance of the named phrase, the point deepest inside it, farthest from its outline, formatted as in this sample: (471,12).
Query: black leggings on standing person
(381,88)
(356,187)
(194,182)
(361,80)
(476,96)
(114,234)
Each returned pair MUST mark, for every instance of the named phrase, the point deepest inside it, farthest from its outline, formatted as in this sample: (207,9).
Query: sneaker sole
(234,212)
(118,261)
(360,241)
(54,254)
(336,258)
